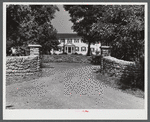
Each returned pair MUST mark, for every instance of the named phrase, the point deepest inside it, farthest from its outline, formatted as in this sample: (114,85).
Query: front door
(69,50)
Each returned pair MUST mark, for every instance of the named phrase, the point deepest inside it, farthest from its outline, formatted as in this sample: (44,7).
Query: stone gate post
(35,51)
(105,51)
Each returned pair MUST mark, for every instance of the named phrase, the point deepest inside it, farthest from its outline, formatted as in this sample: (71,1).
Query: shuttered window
(83,48)
(77,48)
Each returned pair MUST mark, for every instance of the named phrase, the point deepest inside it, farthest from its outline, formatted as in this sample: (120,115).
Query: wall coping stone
(115,60)
(105,47)
(25,57)
(34,45)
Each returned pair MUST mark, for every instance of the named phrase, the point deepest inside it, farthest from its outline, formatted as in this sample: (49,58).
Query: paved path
(70,88)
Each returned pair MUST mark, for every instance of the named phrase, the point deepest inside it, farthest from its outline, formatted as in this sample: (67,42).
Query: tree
(41,28)
(31,24)
(48,38)
(123,27)
(83,17)
(16,14)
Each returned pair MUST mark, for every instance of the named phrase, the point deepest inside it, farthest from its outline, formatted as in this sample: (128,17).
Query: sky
(61,21)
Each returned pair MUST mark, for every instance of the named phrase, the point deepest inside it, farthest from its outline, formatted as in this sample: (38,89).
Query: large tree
(83,17)
(31,24)
(123,27)
(16,14)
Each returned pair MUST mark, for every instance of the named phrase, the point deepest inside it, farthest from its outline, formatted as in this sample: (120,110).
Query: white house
(72,44)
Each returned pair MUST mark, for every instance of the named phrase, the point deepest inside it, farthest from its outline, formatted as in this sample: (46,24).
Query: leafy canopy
(123,27)
(83,17)
(31,24)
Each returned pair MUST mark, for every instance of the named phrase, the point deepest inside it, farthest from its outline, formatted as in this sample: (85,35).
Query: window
(83,48)
(69,41)
(76,40)
(62,41)
(92,49)
(62,49)
(77,48)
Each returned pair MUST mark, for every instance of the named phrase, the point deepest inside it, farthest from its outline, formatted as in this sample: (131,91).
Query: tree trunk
(89,49)
(63,48)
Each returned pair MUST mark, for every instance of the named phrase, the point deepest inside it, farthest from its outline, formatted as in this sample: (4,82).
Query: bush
(63,53)
(140,77)
(133,77)
(76,53)
(96,59)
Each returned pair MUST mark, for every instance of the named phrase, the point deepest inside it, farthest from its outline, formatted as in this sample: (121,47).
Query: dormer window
(76,40)
(69,40)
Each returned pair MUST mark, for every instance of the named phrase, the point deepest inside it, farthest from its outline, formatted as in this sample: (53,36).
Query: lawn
(66,58)
(113,82)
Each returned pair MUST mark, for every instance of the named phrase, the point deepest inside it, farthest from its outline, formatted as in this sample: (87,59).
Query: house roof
(67,35)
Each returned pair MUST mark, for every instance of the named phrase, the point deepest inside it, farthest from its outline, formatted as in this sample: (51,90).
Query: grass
(66,58)
(114,83)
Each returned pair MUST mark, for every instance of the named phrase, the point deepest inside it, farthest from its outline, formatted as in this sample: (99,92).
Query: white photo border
(75,114)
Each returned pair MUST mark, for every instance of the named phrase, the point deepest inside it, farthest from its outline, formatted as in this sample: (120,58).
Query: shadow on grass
(114,82)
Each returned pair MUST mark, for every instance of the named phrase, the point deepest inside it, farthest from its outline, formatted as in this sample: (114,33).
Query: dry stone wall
(115,67)
(22,64)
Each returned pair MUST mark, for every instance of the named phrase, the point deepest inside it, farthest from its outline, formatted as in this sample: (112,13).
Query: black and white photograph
(75,60)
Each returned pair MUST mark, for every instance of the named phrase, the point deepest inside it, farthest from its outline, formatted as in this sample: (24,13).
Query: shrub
(54,53)
(140,77)
(63,53)
(133,76)
(76,53)
(97,52)
(96,59)
(80,54)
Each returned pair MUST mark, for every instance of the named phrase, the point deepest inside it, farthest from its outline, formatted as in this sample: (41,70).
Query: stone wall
(22,64)
(115,67)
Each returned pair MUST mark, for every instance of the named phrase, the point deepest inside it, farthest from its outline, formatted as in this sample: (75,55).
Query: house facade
(72,43)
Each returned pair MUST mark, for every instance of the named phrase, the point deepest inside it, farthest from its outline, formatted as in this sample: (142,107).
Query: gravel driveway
(68,86)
